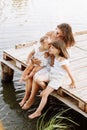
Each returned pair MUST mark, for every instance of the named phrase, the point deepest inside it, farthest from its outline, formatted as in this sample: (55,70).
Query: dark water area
(14,118)
(27,20)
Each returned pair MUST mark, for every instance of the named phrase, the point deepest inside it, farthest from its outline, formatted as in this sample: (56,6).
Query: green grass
(57,122)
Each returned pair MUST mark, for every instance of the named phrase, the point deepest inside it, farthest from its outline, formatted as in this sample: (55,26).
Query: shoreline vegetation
(57,122)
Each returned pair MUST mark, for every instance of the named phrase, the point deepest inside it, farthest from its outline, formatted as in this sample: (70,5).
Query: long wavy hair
(60,44)
(67,34)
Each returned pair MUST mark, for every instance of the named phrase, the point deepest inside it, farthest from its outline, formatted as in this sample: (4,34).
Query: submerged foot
(34,115)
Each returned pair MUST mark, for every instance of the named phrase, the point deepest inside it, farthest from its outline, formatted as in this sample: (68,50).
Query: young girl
(56,74)
(42,54)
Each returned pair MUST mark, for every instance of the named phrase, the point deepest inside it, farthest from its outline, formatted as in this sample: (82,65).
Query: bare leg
(43,102)
(30,101)
(41,80)
(27,92)
(26,72)
(36,69)
(35,87)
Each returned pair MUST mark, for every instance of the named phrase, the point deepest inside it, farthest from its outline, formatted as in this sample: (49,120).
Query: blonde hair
(42,39)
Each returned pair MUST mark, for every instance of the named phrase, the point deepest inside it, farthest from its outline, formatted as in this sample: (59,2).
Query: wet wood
(7,73)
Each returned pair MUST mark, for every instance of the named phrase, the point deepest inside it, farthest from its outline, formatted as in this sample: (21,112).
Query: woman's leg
(43,102)
(27,91)
(30,101)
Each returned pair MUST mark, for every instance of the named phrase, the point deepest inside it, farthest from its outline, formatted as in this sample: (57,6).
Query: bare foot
(22,103)
(28,104)
(34,115)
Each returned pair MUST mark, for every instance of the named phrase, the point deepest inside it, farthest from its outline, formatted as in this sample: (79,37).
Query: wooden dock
(15,59)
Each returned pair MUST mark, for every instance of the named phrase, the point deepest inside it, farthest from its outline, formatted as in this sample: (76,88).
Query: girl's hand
(72,85)
(36,61)
(28,62)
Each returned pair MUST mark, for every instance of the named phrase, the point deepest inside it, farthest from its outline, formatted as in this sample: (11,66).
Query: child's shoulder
(63,61)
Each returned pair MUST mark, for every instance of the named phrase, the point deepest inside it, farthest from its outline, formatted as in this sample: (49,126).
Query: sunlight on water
(27,20)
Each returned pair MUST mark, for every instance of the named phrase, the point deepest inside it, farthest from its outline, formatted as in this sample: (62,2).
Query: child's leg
(30,101)
(43,102)
(35,69)
(26,72)
(27,92)
(42,79)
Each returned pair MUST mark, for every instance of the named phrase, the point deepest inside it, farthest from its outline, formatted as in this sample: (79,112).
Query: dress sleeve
(64,62)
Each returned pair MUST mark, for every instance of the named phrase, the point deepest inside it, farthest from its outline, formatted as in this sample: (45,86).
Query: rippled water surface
(28,20)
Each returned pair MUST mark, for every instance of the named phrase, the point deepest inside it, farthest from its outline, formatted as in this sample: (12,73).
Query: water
(28,20)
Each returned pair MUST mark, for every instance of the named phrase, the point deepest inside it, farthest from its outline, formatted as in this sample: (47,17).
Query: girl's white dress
(57,74)
(47,70)
(40,55)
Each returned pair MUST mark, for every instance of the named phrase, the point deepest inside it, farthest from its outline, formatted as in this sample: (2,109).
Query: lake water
(28,20)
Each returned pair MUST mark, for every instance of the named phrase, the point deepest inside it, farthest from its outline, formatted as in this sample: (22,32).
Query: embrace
(47,65)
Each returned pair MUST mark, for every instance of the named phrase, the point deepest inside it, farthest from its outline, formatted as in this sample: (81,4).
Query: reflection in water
(9,95)
(12,116)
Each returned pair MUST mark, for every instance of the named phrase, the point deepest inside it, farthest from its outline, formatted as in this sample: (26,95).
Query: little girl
(56,74)
(41,54)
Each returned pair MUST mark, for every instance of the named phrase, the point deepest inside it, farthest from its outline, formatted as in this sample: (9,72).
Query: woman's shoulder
(50,33)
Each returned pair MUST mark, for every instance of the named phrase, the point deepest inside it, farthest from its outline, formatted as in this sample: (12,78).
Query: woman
(62,32)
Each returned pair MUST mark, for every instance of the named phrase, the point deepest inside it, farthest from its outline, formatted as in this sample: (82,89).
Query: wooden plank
(11,64)
(80,33)
(77,92)
(77,54)
(81,45)
(23,45)
(80,38)
(81,103)
(86,107)
(17,63)
(69,102)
